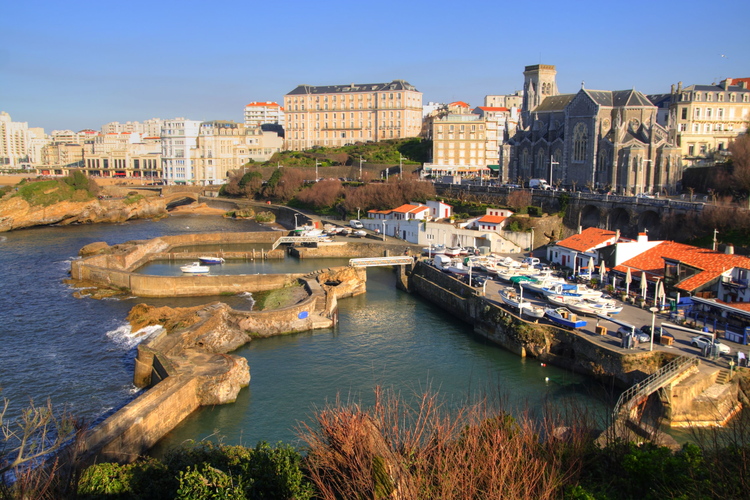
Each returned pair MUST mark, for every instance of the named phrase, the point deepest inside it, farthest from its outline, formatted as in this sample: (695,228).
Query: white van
(356,224)
(538,184)
(441,261)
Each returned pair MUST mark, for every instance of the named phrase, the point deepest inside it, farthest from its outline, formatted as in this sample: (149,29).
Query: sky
(77,65)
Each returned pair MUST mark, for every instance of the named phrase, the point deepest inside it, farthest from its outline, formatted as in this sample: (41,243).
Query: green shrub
(265,217)
(206,482)
(534,211)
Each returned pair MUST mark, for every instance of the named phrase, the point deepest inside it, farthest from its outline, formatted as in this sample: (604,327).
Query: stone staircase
(723,377)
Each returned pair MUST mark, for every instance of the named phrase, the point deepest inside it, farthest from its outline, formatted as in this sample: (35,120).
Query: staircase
(723,377)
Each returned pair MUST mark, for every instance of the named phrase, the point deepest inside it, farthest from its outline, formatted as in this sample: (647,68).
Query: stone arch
(651,222)
(590,216)
(619,218)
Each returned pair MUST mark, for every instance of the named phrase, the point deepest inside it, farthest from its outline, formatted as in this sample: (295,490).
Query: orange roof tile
(459,104)
(588,239)
(264,104)
(492,219)
(490,108)
(711,264)
(405,209)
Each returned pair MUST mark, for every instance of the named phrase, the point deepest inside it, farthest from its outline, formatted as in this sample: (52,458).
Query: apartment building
(338,115)
(514,100)
(704,119)
(179,138)
(149,128)
(263,113)
(224,146)
(20,146)
(466,142)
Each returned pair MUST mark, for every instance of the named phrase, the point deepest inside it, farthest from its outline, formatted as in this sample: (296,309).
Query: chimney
(729,249)
(642,237)
(672,89)
(679,87)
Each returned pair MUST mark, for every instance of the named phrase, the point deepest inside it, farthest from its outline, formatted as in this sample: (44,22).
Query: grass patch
(279,298)
(75,188)
(134,198)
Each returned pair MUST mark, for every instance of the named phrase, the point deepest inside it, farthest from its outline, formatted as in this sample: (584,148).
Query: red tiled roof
(405,209)
(459,103)
(712,264)
(379,211)
(588,239)
(492,219)
(489,108)
(264,104)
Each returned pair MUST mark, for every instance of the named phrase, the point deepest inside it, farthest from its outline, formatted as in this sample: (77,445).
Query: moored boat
(563,316)
(194,268)
(210,260)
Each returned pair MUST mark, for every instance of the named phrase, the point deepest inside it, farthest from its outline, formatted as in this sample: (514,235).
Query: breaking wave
(124,337)
(249,297)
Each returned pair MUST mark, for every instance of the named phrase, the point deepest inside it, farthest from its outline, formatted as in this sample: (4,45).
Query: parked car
(638,334)
(658,333)
(356,224)
(476,281)
(701,341)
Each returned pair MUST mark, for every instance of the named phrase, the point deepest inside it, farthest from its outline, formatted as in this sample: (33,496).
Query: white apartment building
(20,146)
(261,113)
(179,137)
(149,128)
(124,155)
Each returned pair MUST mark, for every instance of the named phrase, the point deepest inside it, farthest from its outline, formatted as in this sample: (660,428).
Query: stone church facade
(598,139)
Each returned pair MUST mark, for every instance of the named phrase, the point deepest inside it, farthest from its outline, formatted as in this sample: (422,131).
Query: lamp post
(551,162)
(383,230)
(531,245)
(400,166)
(653,318)
(360,168)
(357,213)
(295,221)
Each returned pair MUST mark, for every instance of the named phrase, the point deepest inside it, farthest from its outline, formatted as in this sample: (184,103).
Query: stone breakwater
(187,363)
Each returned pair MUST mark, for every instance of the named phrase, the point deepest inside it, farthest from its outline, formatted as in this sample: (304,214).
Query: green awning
(494,167)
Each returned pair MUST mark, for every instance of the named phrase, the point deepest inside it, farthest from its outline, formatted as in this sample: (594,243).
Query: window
(709,96)
(697,96)
(580,140)
(720,97)
(732,97)
(709,112)
(684,113)
(697,112)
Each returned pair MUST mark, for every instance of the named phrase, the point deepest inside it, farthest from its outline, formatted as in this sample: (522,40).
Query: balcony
(728,281)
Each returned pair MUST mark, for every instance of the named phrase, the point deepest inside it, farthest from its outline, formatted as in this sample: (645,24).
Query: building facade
(224,146)
(149,128)
(263,113)
(20,146)
(338,115)
(124,155)
(704,119)
(179,138)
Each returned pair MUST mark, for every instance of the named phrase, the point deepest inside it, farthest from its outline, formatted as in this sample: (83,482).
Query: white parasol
(644,285)
(628,280)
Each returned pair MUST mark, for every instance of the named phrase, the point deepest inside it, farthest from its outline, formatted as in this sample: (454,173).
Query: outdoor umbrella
(644,285)
(660,293)
(602,272)
(591,268)
(628,280)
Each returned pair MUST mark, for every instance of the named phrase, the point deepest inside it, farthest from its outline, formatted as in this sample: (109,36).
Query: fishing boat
(509,297)
(592,308)
(210,260)
(453,251)
(433,249)
(563,316)
(582,292)
(194,268)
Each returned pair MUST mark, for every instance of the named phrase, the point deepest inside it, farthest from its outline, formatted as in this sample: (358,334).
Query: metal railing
(652,383)
(297,239)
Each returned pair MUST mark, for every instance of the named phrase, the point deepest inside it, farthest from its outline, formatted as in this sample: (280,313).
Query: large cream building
(338,115)
(263,113)
(704,119)
(224,146)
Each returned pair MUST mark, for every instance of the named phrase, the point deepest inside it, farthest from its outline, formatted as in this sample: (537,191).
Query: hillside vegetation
(76,187)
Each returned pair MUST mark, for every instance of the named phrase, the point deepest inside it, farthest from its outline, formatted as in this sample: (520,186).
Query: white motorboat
(509,297)
(194,268)
(453,251)
(433,249)
(359,234)
(210,260)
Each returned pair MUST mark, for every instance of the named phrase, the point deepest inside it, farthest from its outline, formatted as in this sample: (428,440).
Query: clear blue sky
(76,65)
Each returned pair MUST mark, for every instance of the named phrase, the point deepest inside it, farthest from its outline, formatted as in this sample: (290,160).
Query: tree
(740,150)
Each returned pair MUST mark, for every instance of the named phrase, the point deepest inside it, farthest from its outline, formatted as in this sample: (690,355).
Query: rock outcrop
(17,213)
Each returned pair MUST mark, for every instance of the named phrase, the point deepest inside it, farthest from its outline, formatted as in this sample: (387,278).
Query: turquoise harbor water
(79,352)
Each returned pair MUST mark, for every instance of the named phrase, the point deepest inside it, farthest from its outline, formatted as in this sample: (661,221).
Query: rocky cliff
(17,213)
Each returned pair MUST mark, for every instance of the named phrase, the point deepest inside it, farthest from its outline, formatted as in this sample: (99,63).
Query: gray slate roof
(619,98)
(353,87)
(554,103)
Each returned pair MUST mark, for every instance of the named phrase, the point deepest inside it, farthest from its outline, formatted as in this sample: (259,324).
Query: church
(597,139)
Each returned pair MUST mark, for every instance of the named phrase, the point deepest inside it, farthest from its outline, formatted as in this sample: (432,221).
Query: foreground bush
(203,471)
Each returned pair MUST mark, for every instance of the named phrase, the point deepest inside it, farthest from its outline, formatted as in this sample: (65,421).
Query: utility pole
(400,166)
(316,171)
(715,241)
(551,162)
(360,168)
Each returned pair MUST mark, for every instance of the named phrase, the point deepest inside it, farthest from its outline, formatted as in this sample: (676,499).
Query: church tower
(538,83)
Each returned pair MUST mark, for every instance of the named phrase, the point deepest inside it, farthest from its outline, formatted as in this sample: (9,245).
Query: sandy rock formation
(17,213)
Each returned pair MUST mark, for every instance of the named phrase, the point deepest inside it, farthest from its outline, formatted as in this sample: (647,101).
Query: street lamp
(384,230)
(653,318)
(316,171)
(357,213)
(551,162)
(295,221)
(360,168)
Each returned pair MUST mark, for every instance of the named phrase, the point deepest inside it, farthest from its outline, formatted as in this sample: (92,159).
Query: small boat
(563,316)
(194,268)
(509,297)
(433,249)
(211,260)
(453,251)
(359,234)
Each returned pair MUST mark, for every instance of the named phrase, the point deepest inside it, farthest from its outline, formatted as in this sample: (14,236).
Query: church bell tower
(538,83)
